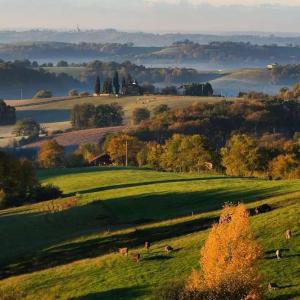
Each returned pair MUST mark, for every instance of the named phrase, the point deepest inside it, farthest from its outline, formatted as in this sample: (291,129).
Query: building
(132,88)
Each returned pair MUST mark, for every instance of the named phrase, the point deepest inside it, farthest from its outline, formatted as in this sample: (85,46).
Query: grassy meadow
(72,253)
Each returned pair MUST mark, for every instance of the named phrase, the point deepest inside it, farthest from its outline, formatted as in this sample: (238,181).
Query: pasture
(71,252)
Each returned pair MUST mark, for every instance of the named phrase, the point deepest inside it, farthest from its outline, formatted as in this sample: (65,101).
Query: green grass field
(71,254)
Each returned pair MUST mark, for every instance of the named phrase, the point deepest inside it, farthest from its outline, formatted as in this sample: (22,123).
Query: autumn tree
(117,146)
(229,259)
(285,166)
(51,155)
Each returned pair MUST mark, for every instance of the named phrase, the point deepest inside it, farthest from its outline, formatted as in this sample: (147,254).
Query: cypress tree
(116,82)
(97,86)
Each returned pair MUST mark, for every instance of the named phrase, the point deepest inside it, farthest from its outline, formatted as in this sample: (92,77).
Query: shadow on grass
(79,221)
(115,294)
(137,184)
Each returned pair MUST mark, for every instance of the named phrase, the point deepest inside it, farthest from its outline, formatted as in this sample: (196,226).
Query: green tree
(241,156)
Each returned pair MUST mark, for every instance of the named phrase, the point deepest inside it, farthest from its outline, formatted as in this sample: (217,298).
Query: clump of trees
(28,127)
(90,116)
(269,155)
(199,89)
(7,114)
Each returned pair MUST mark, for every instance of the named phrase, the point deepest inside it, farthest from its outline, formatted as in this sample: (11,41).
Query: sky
(154,15)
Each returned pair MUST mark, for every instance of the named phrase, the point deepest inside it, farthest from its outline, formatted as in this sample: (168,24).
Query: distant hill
(139,38)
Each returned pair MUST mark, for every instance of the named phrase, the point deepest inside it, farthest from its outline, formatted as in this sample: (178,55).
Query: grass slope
(71,254)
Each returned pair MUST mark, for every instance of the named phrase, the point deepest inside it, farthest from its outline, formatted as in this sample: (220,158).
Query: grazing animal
(272,286)
(262,209)
(288,234)
(123,251)
(136,257)
(278,254)
(169,249)
(147,245)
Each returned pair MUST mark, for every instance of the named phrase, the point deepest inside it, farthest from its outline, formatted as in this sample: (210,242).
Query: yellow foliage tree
(229,259)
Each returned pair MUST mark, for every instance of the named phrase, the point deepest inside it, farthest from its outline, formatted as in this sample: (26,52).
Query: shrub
(139,115)
(45,192)
(43,94)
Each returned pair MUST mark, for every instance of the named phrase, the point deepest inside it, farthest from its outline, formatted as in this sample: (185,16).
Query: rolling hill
(70,252)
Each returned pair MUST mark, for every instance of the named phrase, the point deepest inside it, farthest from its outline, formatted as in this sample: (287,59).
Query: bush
(43,94)
(73,93)
(140,114)
(45,192)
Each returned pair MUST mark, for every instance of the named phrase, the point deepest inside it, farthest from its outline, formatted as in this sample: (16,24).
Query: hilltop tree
(228,260)
(116,82)
(51,155)
(97,89)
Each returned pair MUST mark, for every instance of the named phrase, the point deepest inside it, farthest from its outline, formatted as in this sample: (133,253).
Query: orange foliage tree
(229,259)
(51,155)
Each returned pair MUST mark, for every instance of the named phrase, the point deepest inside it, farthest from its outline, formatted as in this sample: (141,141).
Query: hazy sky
(154,15)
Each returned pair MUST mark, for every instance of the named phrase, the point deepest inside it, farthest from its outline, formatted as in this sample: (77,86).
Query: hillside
(70,254)
(54,113)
